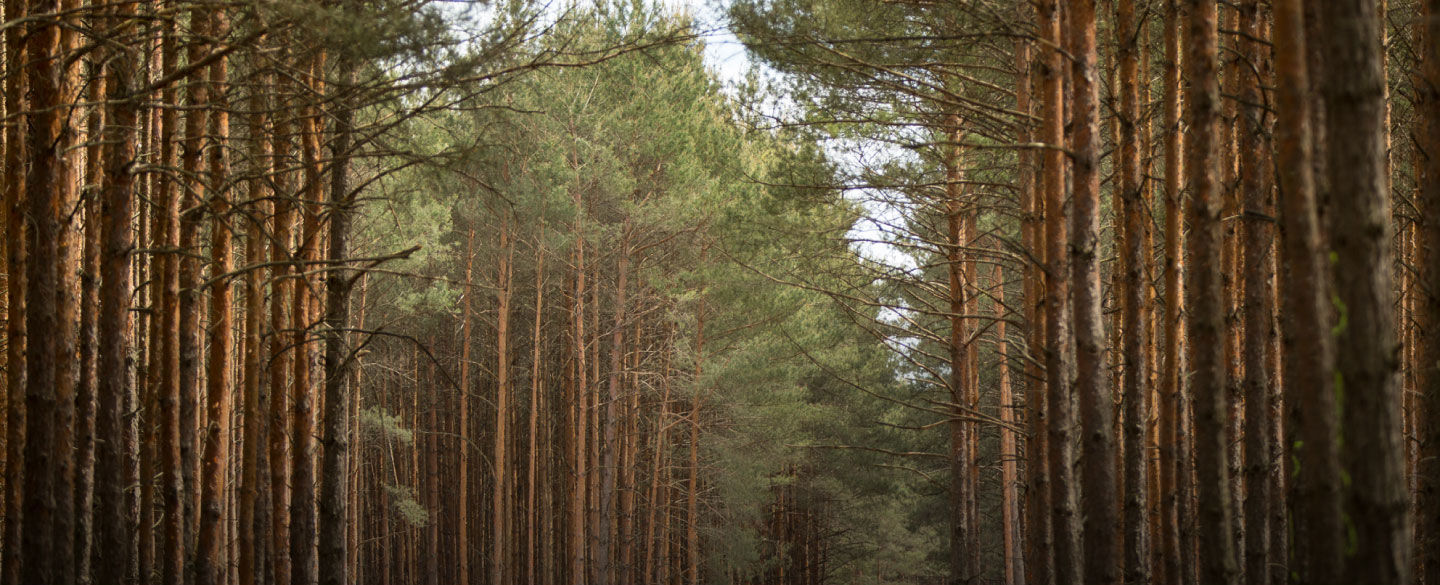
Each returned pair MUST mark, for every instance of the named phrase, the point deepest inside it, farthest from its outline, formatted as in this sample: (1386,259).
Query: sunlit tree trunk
(1258,304)
(963,569)
(462,554)
(1011,544)
(1171,407)
(211,563)
(255,465)
(500,509)
(283,350)
(692,493)
(532,513)
(302,454)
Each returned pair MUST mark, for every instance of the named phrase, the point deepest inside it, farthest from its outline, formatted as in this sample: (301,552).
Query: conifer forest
(720,292)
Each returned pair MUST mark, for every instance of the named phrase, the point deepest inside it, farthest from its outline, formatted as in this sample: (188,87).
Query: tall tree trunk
(89,276)
(579,454)
(962,539)
(335,424)
(1171,409)
(692,493)
(113,534)
(1011,541)
(500,510)
(15,287)
(432,474)
(302,474)
(252,531)
(1059,365)
(610,445)
(40,559)
(192,208)
(532,513)
(463,493)
(1206,303)
(282,349)
(1098,486)
(1360,240)
(171,548)
(1259,295)
(653,569)
(211,563)
(1036,535)
(1428,262)
(1135,384)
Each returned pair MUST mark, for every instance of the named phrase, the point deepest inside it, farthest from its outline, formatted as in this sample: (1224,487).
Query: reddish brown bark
(1205,301)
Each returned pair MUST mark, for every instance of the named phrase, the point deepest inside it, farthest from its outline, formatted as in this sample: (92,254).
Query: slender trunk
(1428,262)
(962,489)
(462,555)
(302,474)
(171,549)
(1257,270)
(692,494)
(500,510)
(651,571)
(113,534)
(462,503)
(211,564)
(282,350)
(339,355)
(432,477)
(1036,535)
(610,445)
(252,458)
(1170,391)
(1011,543)
(89,283)
(1135,301)
(192,207)
(15,275)
(1206,303)
(579,454)
(532,513)
(1060,403)
(1098,486)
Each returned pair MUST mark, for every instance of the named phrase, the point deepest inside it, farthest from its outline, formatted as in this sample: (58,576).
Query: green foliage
(659,159)
(410,510)
(381,426)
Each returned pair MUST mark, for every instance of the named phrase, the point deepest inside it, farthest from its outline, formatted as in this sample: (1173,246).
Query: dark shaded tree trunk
(40,559)
(1360,232)
(1428,329)
(1172,400)
(1060,403)
(335,423)
(1205,300)
(113,533)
